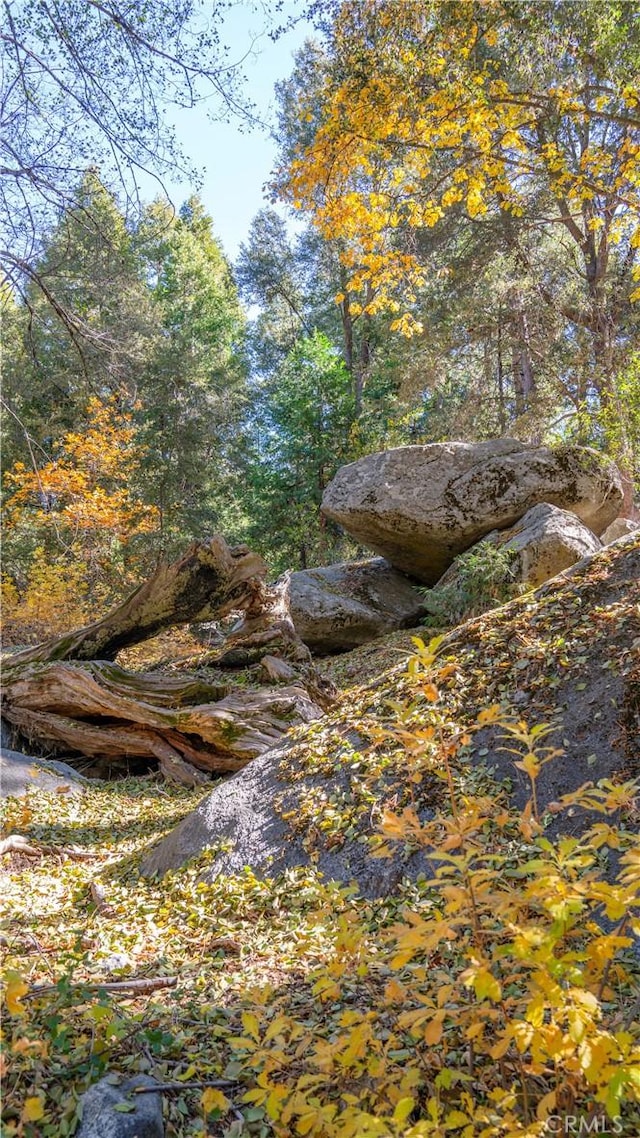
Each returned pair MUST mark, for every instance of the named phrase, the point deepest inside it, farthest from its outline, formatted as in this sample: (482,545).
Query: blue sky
(236,165)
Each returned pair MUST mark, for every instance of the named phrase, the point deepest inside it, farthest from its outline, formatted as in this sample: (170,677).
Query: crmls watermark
(571,1124)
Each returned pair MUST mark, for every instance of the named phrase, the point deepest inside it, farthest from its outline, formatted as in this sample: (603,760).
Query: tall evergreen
(194,387)
(51,370)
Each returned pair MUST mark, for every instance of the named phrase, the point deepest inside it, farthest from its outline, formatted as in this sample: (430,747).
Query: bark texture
(60,695)
(209,580)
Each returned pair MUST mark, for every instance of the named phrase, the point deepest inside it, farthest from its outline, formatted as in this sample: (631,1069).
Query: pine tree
(90,264)
(194,388)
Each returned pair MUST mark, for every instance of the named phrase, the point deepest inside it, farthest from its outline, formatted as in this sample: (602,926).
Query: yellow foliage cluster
(53,600)
(87,487)
(418,117)
(491,1008)
(81,510)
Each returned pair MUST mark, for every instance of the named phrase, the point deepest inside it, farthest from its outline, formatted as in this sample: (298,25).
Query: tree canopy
(494,106)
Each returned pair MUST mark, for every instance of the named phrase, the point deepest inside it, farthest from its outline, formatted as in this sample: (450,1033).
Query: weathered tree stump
(209,580)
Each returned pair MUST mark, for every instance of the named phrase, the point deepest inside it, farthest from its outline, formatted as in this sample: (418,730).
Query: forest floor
(239,939)
(276,981)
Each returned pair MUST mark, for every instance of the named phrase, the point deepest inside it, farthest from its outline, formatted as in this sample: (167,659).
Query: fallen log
(192,726)
(100,710)
(210,580)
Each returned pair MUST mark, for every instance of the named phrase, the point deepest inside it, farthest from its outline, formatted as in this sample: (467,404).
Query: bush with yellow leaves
(496,998)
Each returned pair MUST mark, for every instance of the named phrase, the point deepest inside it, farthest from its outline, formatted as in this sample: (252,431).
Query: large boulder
(251,817)
(543,543)
(342,606)
(421,506)
(546,541)
(318,799)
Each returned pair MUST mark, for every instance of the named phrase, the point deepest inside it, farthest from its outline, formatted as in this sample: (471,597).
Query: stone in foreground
(21,773)
(421,506)
(343,606)
(102,1116)
(247,815)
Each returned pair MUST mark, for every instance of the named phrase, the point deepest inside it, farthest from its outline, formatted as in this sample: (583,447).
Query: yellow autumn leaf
(24,1046)
(547,1105)
(279,1024)
(250,1025)
(214,1099)
(403,1110)
(433,1031)
(15,988)
(273,1104)
(188,1074)
(33,1109)
(306,1122)
(485,985)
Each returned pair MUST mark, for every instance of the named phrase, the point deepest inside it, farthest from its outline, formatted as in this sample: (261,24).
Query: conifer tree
(195,385)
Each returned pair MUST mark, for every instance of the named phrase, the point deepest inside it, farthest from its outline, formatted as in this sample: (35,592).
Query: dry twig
(15,843)
(146,984)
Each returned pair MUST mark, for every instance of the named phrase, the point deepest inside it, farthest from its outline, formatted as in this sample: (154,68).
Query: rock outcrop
(318,799)
(342,606)
(421,506)
(543,543)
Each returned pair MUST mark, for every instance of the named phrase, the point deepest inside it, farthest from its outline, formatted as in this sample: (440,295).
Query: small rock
(620,528)
(20,773)
(519,698)
(102,1119)
(276,669)
(116,962)
(544,542)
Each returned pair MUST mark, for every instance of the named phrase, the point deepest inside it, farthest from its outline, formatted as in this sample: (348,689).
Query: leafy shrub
(480,579)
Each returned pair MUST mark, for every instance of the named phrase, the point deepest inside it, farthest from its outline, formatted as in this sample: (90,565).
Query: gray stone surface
(546,541)
(421,506)
(246,814)
(342,606)
(619,528)
(100,1120)
(20,773)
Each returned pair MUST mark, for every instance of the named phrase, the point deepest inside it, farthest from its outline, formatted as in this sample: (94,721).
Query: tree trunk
(100,710)
(209,580)
(182,721)
(523,377)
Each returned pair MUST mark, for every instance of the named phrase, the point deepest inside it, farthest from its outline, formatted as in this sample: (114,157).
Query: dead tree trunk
(208,581)
(188,725)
